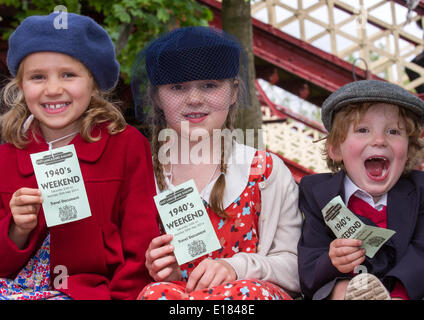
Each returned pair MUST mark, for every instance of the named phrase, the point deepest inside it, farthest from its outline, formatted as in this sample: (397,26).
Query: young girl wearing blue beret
(57,99)
(194,83)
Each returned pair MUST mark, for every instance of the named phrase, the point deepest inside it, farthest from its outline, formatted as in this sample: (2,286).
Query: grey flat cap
(370,91)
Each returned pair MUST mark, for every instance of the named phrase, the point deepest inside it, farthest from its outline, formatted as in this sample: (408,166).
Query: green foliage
(130,23)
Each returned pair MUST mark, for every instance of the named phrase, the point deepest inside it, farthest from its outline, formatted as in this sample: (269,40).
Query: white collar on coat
(352,189)
(236,178)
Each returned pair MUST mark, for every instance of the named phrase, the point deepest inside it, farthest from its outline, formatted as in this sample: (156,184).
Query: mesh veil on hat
(370,91)
(82,39)
(170,59)
(184,55)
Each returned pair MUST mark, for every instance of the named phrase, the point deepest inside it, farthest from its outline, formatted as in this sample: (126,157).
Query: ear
(334,153)
(20,85)
(95,93)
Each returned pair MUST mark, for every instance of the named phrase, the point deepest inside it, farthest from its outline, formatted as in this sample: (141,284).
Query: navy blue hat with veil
(183,55)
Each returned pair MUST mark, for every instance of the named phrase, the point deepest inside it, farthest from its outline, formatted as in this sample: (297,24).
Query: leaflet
(346,224)
(185,217)
(62,187)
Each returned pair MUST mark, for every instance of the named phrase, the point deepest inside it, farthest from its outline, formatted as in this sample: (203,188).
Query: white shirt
(351,189)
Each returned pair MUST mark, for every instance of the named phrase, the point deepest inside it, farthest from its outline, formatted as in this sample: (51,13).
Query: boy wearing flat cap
(372,147)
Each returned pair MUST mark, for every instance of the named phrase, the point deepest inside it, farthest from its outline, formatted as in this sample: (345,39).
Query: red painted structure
(294,59)
(296,65)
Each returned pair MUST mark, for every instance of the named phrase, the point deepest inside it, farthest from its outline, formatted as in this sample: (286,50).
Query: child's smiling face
(57,90)
(202,103)
(375,150)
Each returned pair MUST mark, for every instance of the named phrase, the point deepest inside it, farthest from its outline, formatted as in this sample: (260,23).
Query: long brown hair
(159,123)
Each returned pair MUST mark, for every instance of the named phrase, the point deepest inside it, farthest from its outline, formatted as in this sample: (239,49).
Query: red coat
(104,254)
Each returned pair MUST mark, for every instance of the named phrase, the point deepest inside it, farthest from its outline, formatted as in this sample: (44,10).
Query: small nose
(194,96)
(379,139)
(53,87)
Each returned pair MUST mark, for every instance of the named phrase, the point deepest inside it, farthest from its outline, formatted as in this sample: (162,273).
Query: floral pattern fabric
(237,233)
(33,281)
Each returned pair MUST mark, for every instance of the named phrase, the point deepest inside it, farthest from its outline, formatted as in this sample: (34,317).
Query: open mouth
(377,167)
(55,107)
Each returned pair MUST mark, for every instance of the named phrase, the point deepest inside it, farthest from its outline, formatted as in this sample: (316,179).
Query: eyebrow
(61,69)
(34,71)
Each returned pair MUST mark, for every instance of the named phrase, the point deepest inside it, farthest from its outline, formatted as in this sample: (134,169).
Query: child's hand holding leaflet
(184,216)
(346,224)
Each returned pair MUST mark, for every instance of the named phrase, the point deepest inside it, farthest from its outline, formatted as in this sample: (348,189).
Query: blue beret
(370,91)
(192,53)
(83,39)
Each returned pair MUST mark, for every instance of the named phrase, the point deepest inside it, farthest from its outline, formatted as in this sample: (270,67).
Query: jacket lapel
(91,151)
(402,212)
(328,189)
(401,206)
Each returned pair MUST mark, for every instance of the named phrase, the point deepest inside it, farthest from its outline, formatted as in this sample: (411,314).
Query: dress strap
(261,167)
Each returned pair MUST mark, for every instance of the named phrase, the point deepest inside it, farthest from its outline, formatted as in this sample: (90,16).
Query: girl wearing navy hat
(372,149)
(192,81)
(57,99)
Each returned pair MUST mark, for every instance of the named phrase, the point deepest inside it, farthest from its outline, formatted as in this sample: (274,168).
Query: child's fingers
(160,241)
(337,243)
(349,267)
(206,280)
(195,276)
(26,196)
(209,273)
(158,264)
(346,263)
(159,247)
(343,247)
(27,191)
(26,210)
(160,257)
(338,252)
(163,274)
(26,221)
(218,279)
(350,257)
(158,253)
(161,251)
